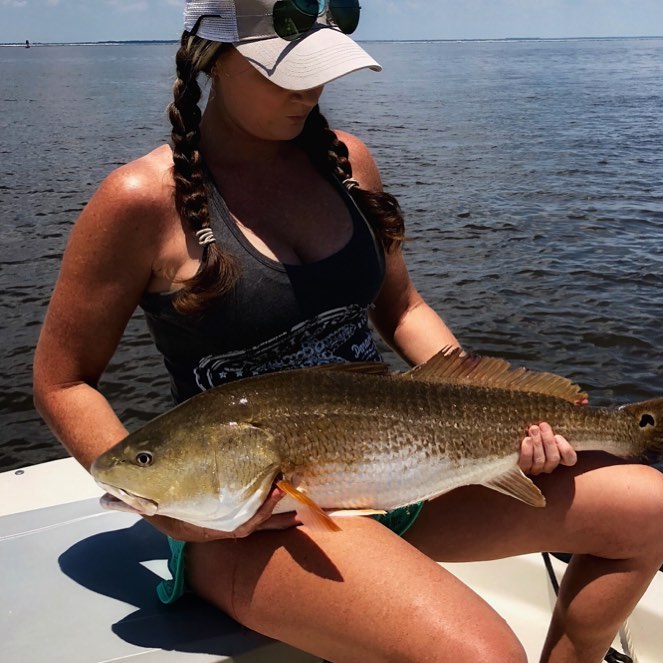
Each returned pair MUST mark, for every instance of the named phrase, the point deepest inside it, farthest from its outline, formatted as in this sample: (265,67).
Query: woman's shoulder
(147,179)
(364,168)
(133,202)
(355,145)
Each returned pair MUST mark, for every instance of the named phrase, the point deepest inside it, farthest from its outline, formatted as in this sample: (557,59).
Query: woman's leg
(608,514)
(361,594)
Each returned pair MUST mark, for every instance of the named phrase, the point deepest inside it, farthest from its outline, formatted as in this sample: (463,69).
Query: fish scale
(357,437)
(420,422)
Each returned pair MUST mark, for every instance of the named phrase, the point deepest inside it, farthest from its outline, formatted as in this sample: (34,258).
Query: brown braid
(331,156)
(218,271)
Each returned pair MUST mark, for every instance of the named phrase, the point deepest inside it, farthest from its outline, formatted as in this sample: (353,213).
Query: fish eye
(144,459)
(647,420)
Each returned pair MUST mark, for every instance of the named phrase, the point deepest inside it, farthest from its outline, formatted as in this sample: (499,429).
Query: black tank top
(277,316)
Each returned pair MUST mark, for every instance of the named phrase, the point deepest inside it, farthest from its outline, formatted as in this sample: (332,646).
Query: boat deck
(78,587)
(78,584)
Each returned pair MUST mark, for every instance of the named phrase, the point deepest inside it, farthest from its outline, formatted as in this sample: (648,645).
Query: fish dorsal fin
(308,511)
(515,484)
(454,367)
(369,367)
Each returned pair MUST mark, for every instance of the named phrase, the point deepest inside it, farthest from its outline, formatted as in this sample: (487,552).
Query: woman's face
(246,100)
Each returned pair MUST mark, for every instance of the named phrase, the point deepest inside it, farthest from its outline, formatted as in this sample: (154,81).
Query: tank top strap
(221,220)
(358,215)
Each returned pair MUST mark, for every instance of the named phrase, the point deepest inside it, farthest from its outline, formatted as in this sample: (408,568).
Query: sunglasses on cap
(294,18)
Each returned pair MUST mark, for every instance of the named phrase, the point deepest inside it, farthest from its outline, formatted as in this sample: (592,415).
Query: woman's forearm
(422,334)
(81,419)
(419,334)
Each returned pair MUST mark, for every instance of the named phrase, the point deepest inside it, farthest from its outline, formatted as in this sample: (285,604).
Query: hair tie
(350,183)
(205,236)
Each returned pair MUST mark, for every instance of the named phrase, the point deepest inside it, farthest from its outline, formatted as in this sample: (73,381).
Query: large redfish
(356,437)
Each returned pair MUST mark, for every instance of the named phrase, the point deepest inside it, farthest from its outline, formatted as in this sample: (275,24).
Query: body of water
(530,172)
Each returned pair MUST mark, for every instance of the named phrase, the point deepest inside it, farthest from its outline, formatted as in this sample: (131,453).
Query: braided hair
(218,271)
(330,156)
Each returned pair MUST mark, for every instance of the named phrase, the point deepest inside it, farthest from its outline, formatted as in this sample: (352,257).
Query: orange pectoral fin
(309,512)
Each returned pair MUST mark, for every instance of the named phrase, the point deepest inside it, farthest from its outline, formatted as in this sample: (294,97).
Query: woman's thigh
(600,507)
(361,594)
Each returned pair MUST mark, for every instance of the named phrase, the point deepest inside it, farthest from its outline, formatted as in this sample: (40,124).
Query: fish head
(214,475)
(648,416)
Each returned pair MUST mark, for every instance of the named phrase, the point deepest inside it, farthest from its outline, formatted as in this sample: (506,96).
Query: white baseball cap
(321,54)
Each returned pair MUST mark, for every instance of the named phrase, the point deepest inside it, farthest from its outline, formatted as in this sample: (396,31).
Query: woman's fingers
(542,451)
(267,520)
(567,453)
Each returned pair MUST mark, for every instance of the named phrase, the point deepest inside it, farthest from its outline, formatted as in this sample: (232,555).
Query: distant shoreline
(148,42)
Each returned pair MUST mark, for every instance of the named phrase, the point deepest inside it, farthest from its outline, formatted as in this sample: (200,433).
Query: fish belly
(392,484)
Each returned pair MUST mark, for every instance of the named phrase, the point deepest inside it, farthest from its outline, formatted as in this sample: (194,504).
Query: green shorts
(398,521)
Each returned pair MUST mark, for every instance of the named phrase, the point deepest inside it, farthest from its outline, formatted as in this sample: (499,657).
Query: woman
(259,242)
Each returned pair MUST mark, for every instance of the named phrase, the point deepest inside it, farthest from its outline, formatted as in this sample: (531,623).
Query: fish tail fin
(308,511)
(649,417)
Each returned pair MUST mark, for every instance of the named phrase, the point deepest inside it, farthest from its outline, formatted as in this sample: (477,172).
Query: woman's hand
(542,451)
(263,519)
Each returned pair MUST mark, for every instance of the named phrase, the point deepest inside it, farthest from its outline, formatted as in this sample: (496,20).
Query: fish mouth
(119,499)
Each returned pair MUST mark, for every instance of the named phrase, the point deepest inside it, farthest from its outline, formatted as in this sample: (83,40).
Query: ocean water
(530,172)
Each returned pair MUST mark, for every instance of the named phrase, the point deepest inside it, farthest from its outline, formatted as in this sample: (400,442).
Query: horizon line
(402,40)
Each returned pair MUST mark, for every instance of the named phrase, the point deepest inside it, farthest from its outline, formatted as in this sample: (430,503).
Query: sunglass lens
(290,22)
(308,7)
(345,14)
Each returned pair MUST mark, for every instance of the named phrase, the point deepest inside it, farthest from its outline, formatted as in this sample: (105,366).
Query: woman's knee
(505,652)
(465,631)
(486,642)
(647,521)
(477,646)
(629,512)
(487,647)
(404,607)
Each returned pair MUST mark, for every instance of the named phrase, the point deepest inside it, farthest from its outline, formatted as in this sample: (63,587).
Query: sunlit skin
(362,594)
(246,109)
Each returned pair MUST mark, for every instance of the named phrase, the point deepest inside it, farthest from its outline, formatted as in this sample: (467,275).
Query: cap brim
(320,57)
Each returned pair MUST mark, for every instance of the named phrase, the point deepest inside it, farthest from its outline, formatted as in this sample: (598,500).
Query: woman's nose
(311,96)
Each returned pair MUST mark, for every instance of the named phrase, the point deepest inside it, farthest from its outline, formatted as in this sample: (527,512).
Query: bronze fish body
(355,437)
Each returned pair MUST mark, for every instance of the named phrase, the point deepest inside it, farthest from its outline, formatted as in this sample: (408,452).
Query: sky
(119,20)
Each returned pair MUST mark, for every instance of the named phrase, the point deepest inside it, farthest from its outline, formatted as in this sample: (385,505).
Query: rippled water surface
(530,172)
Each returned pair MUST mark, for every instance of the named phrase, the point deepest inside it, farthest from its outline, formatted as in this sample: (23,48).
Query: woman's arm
(105,269)
(404,320)
(417,332)
(107,266)
(400,314)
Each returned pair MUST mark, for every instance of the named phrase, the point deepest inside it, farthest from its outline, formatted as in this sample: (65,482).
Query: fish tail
(649,418)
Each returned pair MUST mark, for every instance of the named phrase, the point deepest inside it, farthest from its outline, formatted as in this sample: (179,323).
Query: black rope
(551,572)
(613,656)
